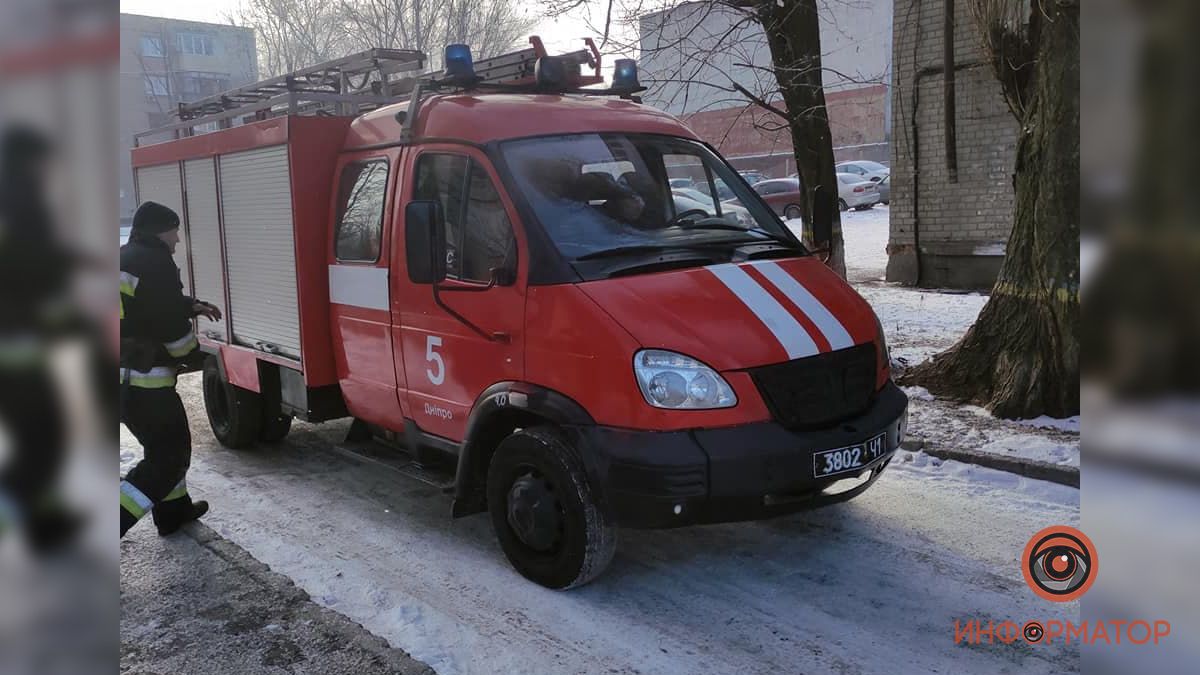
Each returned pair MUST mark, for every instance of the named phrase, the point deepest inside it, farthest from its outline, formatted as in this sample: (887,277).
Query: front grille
(821,390)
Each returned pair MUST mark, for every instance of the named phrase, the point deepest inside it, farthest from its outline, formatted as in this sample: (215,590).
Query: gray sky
(559,35)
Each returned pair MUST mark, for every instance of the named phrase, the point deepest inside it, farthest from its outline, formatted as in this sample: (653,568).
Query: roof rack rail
(352,85)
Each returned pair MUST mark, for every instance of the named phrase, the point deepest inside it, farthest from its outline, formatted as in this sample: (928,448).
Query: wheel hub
(533,512)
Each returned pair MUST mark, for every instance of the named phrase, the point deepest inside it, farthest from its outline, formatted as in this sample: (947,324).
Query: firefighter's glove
(206,310)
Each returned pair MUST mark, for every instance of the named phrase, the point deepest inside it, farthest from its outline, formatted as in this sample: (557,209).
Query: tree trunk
(1021,358)
(793,31)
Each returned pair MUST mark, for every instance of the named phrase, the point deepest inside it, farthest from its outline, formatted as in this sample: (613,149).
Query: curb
(1029,468)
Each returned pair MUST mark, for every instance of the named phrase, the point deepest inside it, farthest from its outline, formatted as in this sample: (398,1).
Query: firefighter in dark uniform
(157,339)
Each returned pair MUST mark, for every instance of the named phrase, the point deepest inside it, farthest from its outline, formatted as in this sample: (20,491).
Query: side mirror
(425,241)
(822,220)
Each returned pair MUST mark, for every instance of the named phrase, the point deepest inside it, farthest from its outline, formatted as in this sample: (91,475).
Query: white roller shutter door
(201,182)
(256,199)
(161,184)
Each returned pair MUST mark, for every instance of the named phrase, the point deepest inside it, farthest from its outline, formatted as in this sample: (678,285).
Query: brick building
(747,135)
(688,78)
(946,231)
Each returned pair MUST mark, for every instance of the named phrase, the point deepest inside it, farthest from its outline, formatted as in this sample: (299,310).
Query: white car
(854,192)
(687,200)
(864,169)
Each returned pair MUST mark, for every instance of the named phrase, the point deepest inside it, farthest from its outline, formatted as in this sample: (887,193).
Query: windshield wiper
(778,238)
(640,248)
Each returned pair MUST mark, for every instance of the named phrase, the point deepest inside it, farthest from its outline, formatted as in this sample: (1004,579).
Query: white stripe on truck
(827,323)
(790,334)
(365,287)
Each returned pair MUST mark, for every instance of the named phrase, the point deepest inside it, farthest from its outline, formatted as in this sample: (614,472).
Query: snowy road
(874,585)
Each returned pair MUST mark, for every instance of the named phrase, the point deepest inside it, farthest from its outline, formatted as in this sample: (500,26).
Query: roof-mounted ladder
(353,85)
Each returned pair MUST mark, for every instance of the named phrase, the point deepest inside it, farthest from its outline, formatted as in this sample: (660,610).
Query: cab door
(359,290)
(455,350)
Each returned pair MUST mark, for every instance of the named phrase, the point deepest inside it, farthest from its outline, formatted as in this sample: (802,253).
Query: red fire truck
(486,267)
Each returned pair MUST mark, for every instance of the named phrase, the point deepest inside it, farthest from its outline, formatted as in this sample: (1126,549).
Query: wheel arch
(501,409)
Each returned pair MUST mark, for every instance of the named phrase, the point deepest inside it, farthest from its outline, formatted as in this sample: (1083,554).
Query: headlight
(678,382)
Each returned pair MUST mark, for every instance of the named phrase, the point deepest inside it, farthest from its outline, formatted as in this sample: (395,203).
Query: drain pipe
(949,116)
(916,145)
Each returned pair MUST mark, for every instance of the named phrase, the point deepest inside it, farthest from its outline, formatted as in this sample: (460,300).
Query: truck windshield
(604,192)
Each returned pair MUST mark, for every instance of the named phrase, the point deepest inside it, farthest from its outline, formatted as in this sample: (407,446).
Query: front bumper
(748,472)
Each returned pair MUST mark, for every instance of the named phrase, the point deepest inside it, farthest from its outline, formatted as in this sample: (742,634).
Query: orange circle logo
(1060,563)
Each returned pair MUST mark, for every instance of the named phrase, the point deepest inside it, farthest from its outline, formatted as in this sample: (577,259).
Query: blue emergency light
(625,76)
(458,62)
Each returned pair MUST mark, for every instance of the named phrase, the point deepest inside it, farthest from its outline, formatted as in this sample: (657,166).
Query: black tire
(792,211)
(275,427)
(235,414)
(538,469)
(842,205)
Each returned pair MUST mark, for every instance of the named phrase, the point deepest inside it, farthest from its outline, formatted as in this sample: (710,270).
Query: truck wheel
(842,205)
(545,513)
(275,427)
(235,414)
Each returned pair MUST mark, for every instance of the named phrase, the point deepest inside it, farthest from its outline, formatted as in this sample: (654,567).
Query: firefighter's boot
(169,516)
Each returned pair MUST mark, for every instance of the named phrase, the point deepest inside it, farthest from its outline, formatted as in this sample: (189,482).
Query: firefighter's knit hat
(154,218)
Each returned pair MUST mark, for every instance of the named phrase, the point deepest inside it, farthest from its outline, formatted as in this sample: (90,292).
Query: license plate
(849,458)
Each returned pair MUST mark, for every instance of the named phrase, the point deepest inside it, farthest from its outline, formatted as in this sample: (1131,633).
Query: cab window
(479,236)
(359,226)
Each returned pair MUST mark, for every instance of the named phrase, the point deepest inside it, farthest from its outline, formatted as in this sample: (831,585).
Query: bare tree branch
(761,103)
(297,33)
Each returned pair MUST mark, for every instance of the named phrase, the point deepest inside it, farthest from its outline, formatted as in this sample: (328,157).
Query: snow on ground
(872,585)
(919,324)
(1047,422)
(962,427)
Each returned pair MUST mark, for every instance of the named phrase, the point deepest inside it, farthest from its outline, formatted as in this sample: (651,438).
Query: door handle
(267,347)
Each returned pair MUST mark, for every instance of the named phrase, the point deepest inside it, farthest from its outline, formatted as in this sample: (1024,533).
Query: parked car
(884,187)
(724,193)
(753,177)
(783,195)
(856,193)
(865,169)
(687,199)
(681,183)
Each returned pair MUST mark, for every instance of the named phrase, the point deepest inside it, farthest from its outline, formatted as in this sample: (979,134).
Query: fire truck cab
(495,276)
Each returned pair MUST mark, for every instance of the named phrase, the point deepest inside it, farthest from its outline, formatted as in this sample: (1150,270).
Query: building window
(157,85)
(196,43)
(200,85)
(152,46)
